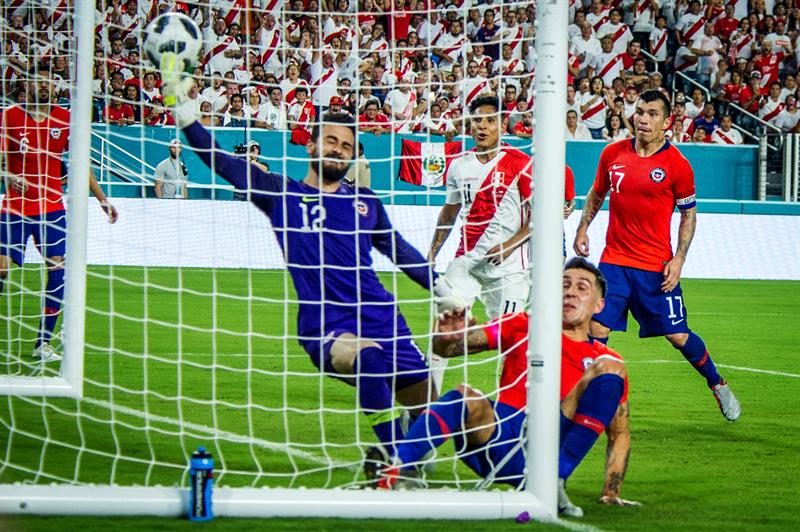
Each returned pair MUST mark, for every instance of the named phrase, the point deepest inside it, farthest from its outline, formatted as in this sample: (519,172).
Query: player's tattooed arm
(672,269)
(569,207)
(454,335)
(447,217)
(594,202)
(617,454)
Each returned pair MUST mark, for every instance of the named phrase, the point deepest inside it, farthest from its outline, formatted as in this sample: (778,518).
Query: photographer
(171,175)
(252,152)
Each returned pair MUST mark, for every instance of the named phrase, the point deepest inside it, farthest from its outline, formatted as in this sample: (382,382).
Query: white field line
(724,366)
(218,434)
(572,525)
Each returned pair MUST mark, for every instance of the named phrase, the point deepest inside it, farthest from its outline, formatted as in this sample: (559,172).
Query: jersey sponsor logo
(658,175)
(55,132)
(361,208)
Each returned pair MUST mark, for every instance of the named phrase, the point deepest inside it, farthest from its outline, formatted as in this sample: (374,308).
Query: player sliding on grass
(34,137)
(648,178)
(348,323)
(487,433)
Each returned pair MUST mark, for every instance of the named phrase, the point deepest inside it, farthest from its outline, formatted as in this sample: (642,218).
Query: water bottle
(201,473)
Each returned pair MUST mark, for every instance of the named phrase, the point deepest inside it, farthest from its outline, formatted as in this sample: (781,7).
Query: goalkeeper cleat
(45,353)
(565,506)
(728,404)
(375,460)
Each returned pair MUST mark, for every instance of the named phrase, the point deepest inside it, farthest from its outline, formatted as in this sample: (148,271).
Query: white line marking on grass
(219,434)
(571,525)
(725,366)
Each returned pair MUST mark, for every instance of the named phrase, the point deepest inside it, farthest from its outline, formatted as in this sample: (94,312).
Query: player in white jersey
(491,186)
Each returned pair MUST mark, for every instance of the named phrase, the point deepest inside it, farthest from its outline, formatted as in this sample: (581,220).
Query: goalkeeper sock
(596,409)
(375,396)
(433,427)
(54,296)
(694,350)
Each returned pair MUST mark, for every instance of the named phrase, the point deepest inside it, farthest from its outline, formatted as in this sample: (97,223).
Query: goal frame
(538,498)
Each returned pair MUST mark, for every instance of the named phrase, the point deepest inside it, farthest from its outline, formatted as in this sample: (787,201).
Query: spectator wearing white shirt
(706,47)
(619,32)
(586,46)
(451,47)
(725,134)
(576,130)
(272,113)
(789,117)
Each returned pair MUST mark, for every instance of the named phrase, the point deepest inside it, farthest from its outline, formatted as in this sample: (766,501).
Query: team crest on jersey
(498,178)
(55,132)
(658,175)
(586,362)
(361,208)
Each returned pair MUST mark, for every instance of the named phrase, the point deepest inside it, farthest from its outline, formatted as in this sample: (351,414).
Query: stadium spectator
(236,115)
(708,119)
(301,117)
(435,124)
(524,127)
(617,30)
(156,114)
(272,113)
(117,112)
(700,136)
(607,64)
(677,133)
(594,106)
(614,129)
(726,134)
(707,48)
(372,120)
(696,105)
(585,46)
(132,97)
(575,129)
(789,117)
(657,43)
(207,116)
(771,105)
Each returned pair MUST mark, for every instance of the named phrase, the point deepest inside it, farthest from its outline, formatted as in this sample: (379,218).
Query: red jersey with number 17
(33,150)
(644,194)
(509,335)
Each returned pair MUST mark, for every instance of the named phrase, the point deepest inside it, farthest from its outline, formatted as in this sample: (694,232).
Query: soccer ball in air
(173,32)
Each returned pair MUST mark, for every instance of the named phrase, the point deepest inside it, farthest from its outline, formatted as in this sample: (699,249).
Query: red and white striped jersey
(494,201)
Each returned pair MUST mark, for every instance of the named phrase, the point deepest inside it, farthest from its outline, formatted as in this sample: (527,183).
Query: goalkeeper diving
(347,322)
(488,434)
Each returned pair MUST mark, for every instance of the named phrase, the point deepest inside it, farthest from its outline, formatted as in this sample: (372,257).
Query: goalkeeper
(487,434)
(347,322)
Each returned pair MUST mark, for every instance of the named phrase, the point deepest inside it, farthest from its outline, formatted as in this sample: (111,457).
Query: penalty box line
(724,366)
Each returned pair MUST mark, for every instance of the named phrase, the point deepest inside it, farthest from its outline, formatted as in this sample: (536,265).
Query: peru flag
(426,163)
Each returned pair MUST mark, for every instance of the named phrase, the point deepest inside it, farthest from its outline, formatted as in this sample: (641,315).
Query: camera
(240,149)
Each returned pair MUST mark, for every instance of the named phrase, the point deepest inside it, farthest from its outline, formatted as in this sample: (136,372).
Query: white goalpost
(182,334)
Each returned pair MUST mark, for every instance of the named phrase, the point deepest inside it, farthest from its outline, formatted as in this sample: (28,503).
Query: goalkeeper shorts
(408,364)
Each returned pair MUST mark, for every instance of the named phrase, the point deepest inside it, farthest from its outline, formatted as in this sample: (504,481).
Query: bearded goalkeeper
(348,323)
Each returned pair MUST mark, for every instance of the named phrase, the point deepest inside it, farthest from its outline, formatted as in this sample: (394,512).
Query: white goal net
(188,336)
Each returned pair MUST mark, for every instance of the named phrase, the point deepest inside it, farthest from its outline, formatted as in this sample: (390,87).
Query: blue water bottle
(201,473)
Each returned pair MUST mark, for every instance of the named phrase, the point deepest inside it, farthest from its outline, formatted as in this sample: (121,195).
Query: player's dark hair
(579,263)
(338,119)
(484,100)
(654,95)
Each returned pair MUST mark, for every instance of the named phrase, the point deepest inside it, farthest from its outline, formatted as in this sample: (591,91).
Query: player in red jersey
(488,434)
(33,139)
(648,177)
(491,185)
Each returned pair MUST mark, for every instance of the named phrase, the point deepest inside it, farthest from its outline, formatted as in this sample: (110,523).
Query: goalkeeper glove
(447,297)
(175,85)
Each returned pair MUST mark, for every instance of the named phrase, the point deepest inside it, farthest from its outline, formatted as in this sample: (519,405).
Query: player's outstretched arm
(672,270)
(391,244)
(594,202)
(454,335)
(97,192)
(617,453)
(444,224)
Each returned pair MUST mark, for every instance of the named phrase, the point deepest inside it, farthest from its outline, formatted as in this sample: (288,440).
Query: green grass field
(230,379)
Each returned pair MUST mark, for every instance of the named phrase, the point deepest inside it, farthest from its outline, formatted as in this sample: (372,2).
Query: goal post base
(267,502)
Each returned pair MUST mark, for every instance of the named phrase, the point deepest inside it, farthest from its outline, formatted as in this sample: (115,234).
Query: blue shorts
(407,362)
(49,233)
(658,313)
(505,439)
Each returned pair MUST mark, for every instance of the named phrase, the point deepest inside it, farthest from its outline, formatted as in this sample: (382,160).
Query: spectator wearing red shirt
(524,128)
(768,63)
(372,120)
(118,113)
(631,54)
(732,92)
(726,25)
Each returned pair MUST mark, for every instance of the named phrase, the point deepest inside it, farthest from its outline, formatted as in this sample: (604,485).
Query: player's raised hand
(672,273)
(617,501)
(175,87)
(581,244)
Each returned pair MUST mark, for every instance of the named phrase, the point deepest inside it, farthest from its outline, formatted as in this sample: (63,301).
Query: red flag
(426,163)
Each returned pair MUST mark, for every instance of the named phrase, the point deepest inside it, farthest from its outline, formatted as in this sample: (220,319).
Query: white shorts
(500,294)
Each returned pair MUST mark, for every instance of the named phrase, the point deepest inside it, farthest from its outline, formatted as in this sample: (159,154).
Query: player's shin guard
(596,409)
(694,350)
(375,396)
(433,427)
(54,296)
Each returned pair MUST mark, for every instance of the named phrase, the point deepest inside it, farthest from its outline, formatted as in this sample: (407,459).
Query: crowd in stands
(413,66)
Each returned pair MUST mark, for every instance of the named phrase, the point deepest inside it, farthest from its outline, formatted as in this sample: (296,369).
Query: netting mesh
(191,332)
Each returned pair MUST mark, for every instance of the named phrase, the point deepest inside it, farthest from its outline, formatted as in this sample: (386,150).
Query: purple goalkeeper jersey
(326,241)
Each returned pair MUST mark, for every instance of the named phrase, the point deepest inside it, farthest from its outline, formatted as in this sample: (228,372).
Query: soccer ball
(173,32)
